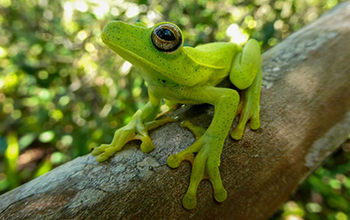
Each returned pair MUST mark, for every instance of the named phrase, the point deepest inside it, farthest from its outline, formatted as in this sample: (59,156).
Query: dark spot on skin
(164,81)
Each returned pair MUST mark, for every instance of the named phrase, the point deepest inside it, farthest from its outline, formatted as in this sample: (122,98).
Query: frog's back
(217,53)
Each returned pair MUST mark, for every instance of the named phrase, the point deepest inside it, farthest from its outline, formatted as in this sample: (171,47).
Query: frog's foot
(249,112)
(249,108)
(135,130)
(204,165)
(123,135)
(198,131)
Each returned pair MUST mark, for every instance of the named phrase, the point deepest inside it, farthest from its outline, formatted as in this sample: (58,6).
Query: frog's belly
(180,94)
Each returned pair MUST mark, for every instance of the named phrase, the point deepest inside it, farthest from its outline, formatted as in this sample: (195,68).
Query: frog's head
(156,49)
(143,46)
(164,37)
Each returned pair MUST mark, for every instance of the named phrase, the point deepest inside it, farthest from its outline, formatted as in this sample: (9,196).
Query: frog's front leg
(208,147)
(246,74)
(137,128)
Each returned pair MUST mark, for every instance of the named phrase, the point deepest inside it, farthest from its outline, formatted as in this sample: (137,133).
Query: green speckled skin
(189,76)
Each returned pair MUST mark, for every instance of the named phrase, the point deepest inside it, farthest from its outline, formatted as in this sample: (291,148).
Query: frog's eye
(166,37)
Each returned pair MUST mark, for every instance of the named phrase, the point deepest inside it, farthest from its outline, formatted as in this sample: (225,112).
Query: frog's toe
(103,152)
(174,161)
(187,154)
(98,150)
(220,195)
(237,133)
(198,131)
(198,169)
(255,121)
(255,124)
(111,150)
(189,201)
(102,157)
(147,144)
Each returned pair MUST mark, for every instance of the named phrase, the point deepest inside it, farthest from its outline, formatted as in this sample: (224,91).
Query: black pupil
(165,34)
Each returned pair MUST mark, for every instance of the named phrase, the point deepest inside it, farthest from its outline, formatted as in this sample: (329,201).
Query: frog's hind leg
(205,152)
(212,175)
(246,75)
(249,108)
(187,154)
(198,131)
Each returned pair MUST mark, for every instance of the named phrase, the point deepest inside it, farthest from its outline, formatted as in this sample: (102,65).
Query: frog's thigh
(246,65)
(250,108)
(209,146)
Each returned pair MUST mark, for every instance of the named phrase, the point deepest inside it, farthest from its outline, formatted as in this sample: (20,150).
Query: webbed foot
(135,130)
(198,131)
(205,165)
(249,112)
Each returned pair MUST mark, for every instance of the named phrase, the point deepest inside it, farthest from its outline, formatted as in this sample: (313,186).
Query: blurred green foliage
(62,92)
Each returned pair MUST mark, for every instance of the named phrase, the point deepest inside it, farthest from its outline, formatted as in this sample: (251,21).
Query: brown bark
(305,114)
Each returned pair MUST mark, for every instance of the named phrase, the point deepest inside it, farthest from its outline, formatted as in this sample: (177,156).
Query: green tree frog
(188,75)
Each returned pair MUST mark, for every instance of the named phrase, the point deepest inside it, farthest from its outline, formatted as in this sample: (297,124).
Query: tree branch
(305,114)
